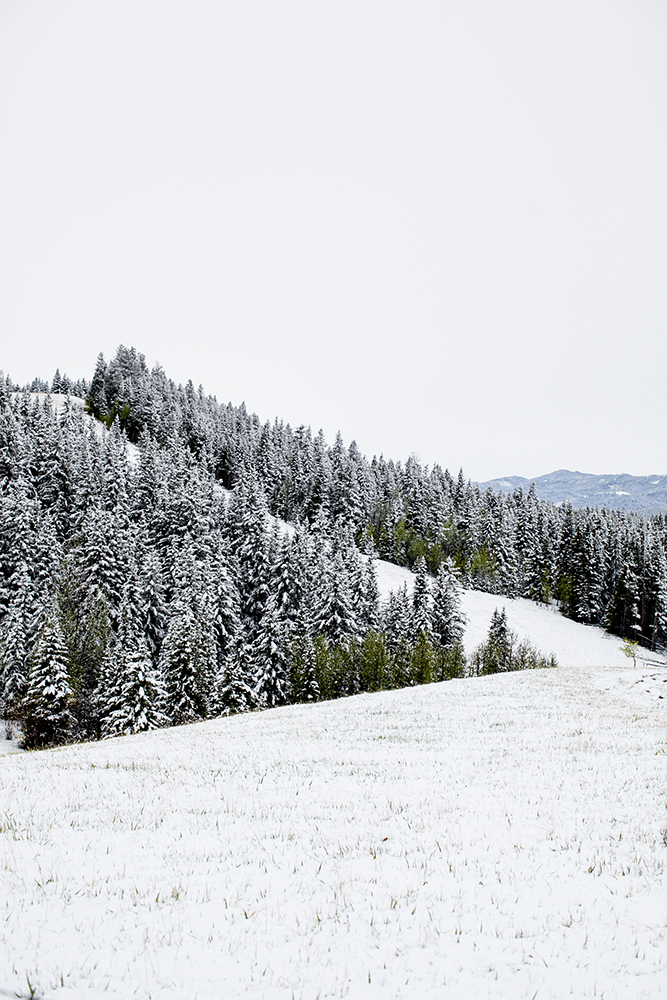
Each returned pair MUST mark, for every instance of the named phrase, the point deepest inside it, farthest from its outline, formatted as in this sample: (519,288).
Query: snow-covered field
(489,837)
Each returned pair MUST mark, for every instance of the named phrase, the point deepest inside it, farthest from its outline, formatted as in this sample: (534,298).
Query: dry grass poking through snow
(492,837)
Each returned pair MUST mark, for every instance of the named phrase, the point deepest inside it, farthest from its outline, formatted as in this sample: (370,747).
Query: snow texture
(490,837)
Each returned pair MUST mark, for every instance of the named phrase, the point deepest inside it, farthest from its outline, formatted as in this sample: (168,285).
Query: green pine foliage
(302,666)
(374,662)
(422,660)
(451,662)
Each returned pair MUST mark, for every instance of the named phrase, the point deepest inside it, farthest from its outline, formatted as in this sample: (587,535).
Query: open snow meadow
(498,836)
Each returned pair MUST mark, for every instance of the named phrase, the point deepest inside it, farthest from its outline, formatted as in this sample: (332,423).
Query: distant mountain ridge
(583,489)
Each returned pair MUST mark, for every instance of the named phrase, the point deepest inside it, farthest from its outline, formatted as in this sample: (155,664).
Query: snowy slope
(550,632)
(498,837)
(571,643)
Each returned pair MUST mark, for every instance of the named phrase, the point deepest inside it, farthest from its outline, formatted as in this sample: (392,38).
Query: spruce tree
(152,604)
(17,637)
(96,400)
(422,624)
(303,686)
(46,710)
(107,696)
(373,658)
(397,618)
(422,660)
(185,667)
(270,658)
(335,616)
(140,692)
(499,644)
(234,689)
(250,549)
(448,622)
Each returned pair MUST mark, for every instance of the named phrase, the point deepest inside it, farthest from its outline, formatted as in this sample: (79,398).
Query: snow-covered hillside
(491,837)
(570,642)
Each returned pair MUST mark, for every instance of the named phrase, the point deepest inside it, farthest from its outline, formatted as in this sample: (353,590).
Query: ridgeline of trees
(136,591)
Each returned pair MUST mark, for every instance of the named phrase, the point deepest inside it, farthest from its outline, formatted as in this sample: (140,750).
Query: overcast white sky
(438,225)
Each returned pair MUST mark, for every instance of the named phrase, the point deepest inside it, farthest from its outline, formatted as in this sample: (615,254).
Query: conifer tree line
(603,567)
(149,585)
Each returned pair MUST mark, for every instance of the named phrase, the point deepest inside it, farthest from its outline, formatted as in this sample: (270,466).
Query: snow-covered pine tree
(498,644)
(152,604)
(96,402)
(140,694)
(335,616)
(226,617)
(371,603)
(286,586)
(86,627)
(13,669)
(421,603)
(46,710)
(116,473)
(19,519)
(303,686)
(249,547)
(622,611)
(106,697)
(365,592)
(448,622)
(302,568)
(655,627)
(529,544)
(100,564)
(270,657)
(16,639)
(397,617)
(185,667)
(234,684)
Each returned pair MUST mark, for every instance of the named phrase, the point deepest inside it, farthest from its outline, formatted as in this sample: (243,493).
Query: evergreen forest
(147,578)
